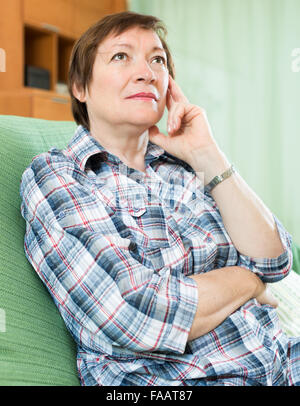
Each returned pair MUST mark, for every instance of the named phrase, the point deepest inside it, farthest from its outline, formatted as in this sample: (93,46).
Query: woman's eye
(120,56)
(161,59)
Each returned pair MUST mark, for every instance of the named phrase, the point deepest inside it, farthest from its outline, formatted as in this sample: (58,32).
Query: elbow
(204,324)
(197,330)
(271,269)
(277,268)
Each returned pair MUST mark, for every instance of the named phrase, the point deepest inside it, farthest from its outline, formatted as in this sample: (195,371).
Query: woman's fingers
(158,138)
(266,297)
(174,94)
(175,117)
(175,91)
(169,100)
(176,102)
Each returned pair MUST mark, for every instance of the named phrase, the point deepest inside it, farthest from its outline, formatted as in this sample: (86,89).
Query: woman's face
(125,65)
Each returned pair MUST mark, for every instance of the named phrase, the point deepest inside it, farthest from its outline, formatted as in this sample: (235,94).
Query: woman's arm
(249,223)
(221,292)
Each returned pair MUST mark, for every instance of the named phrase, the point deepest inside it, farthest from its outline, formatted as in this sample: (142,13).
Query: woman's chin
(147,122)
(144,125)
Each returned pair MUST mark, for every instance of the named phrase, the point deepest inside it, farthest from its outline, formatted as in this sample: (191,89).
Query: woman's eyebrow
(155,48)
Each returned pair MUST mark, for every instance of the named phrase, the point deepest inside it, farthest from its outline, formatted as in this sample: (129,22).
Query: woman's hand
(266,297)
(188,127)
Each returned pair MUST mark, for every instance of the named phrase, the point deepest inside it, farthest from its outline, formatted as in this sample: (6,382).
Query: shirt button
(132,246)
(61,214)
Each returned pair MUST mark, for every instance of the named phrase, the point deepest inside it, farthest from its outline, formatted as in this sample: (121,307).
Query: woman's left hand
(188,127)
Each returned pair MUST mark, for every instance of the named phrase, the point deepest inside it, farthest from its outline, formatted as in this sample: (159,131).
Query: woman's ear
(79,93)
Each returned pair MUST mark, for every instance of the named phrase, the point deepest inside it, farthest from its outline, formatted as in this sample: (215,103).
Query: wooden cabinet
(84,14)
(36,103)
(69,17)
(41,34)
(51,107)
(55,15)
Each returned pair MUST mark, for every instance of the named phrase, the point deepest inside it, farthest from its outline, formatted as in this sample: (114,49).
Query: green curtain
(237,59)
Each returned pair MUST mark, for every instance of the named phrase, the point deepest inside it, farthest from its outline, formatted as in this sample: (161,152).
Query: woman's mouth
(143,96)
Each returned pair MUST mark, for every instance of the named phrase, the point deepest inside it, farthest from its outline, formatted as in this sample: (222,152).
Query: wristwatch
(218,179)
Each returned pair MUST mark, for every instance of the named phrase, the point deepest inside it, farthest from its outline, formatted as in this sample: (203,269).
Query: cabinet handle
(58,100)
(50,27)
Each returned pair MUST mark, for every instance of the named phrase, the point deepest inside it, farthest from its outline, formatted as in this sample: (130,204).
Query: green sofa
(35,346)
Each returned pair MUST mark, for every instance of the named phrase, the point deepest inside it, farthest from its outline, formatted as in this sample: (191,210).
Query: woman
(159,281)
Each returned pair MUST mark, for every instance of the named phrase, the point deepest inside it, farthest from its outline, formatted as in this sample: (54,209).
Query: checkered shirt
(115,248)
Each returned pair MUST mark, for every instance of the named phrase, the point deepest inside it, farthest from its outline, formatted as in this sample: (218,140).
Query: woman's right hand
(266,297)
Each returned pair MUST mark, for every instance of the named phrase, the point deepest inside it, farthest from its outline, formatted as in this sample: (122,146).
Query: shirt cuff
(271,269)
(178,335)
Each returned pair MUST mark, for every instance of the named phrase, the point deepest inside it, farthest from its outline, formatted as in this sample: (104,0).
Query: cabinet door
(15,103)
(54,14)
(87,12)
(51,108)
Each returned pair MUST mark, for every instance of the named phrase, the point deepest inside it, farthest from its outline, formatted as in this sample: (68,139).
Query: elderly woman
(154,249)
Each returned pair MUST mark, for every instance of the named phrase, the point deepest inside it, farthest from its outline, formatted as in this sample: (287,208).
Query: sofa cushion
(35,346)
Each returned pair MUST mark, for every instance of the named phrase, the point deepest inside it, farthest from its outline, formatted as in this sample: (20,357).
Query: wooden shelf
(40,51)
(42,34)
(48,50)
(64,50)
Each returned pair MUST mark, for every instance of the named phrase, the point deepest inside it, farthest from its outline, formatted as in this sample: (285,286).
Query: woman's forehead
(131,38)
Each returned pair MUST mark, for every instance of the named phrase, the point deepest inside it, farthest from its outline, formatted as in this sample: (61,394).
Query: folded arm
(221,292)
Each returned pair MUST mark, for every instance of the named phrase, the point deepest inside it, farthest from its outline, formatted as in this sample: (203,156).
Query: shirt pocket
(137,211)
(135,204)
(147,233)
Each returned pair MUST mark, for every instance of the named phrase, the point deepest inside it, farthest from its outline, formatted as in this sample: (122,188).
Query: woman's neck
(129,146)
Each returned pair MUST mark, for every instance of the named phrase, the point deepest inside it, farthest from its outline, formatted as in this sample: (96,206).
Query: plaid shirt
(115,248)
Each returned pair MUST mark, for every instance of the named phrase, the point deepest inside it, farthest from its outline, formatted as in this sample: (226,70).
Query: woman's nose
(143,71)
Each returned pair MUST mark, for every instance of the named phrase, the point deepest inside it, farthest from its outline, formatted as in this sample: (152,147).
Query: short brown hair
(84,52)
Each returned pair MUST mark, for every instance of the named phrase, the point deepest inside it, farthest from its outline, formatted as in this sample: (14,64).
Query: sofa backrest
(35,346)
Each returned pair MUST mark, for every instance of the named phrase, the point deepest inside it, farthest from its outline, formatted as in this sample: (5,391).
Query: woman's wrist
(259,285)
(209,161)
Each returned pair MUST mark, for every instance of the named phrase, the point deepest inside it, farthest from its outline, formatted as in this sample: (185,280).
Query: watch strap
(219,178)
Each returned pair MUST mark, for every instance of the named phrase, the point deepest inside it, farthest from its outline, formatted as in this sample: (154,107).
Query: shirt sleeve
(271,269)
(106,297)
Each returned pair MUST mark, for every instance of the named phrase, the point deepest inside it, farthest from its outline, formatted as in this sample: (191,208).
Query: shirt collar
(83,146)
